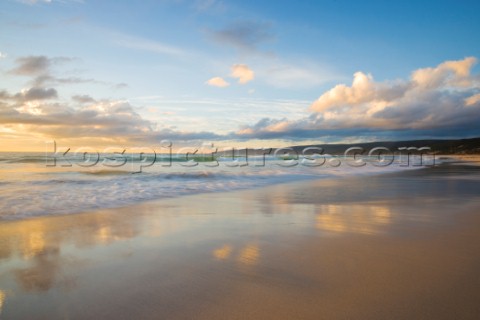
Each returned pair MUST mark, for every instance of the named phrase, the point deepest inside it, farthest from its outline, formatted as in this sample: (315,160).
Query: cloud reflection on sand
(2,299)
(362,219)
(223,252)
(248,255)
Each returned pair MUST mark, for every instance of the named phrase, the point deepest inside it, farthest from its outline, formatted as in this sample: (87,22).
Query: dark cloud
(121,85)
(83,99)
(32,65)
(173,135)
(38,94)
(50,80)
(4,95)
(40,68)
(75,80)
(244,35)
(29,95)
(36,65)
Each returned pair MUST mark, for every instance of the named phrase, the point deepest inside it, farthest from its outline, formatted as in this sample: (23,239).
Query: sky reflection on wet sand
(184,246)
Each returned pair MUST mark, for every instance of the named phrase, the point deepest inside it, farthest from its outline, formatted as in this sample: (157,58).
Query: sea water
(32,184)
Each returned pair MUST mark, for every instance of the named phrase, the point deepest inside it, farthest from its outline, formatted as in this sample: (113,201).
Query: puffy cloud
(449,73)
(218,82)
(362,90)
(437,101)
(243,73)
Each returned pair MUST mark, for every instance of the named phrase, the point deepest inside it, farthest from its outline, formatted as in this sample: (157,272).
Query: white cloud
(243,73)
(2,55)
(362,90)
(218,82)
(445,97)
(368,97)
(454,73)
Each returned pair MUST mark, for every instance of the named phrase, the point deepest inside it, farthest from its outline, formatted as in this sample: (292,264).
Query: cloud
(449,73)
(239,71)
(209,5)
(38,112)
(38,94)
(114,119)
(83,99)
(169,134)
(36,65)
(3,55)
(218,82)
(362,90)
(244,35)
(434,101)
(32,65)
(243,73)
(472,100)
(41,69)
(121,85)
(30,94)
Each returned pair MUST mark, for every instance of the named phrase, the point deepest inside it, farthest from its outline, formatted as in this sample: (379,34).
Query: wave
(51,191)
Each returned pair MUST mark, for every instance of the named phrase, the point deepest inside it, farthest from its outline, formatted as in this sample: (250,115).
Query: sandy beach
(397,246)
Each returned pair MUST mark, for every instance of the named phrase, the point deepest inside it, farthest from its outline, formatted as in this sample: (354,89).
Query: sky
(236,73)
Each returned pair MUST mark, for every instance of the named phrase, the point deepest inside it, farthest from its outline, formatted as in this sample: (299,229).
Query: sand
(397,246)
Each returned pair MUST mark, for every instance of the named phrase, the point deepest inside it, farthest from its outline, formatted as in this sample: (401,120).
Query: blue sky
(237,71)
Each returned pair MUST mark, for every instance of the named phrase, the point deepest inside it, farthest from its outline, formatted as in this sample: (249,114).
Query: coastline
(396,245)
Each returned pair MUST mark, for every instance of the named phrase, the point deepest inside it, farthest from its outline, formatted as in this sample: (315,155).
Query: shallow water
(31,186)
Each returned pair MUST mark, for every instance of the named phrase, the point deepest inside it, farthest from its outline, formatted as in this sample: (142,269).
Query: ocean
(39,184)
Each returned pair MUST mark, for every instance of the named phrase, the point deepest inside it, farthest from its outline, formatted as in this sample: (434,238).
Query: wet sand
(397,246)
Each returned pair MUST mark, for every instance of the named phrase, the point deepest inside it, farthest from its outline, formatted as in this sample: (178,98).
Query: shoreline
(299,178)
